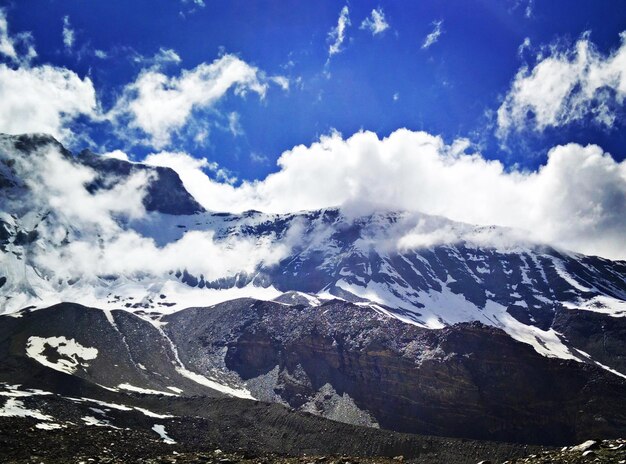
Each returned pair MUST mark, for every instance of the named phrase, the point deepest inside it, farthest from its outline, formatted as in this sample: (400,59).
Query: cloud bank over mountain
(577,199)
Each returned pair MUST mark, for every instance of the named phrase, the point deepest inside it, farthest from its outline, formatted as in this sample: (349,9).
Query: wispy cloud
(523,47)
(375,22)
(565,86)
(338,34)
(159,105)
(17,48)
(234,126)
(528,12)
(162,57)
(259,158)
(68,33)
(433,37)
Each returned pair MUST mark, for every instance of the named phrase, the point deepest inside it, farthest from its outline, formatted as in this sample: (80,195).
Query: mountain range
(117,286)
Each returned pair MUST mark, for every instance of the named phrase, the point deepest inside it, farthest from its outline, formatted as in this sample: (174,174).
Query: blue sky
(452,88)
(488,112)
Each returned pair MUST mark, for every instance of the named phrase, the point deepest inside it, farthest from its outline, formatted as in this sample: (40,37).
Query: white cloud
(83,235)
(129,253)
(116,154)
(433,37)
(192,169)
(376,22)
(68,33)
(19,48)
(577,200)
(43,99)
(338,34)
(199,3)
(234,126)
(528,12)
(523,47)
(39,99)
(566,86)
(58,184)
(160,106)
(159,59)
(258,158)
(282,81)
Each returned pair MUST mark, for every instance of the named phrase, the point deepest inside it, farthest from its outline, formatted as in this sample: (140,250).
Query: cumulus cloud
(433,37)
(18,49)
(193,168)
(116,154)
(338,33)
(566,86)
(576,200)
(44,99)
(375,22)
(159,106)
(82,233)
(68,33)
(59,184)
(129,253)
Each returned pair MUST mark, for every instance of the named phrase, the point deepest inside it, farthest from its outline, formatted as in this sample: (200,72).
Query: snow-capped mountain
(129,240)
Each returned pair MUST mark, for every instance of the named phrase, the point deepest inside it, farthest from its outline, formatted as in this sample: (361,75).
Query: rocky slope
(38,426)
(339,360)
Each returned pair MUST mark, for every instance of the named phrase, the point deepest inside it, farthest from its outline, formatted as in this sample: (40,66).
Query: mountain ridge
(398,320)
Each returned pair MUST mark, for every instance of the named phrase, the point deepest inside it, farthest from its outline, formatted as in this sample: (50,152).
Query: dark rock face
(468,380)
(596,334)
(339,360)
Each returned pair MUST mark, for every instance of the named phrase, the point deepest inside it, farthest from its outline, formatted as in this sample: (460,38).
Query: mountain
(115,282)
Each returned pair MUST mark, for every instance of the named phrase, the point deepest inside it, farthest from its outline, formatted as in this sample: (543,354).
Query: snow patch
(160,430)
(49,426)
(202,380)
(16,408)
(71,354)
(146,391)
(90,420)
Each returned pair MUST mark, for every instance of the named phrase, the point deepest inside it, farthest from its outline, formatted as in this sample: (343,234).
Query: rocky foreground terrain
(591,451)
(22,443)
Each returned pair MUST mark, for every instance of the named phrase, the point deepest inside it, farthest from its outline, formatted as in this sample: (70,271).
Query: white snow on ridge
(447,308)
(601,304)
(110,296)
(72,354)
